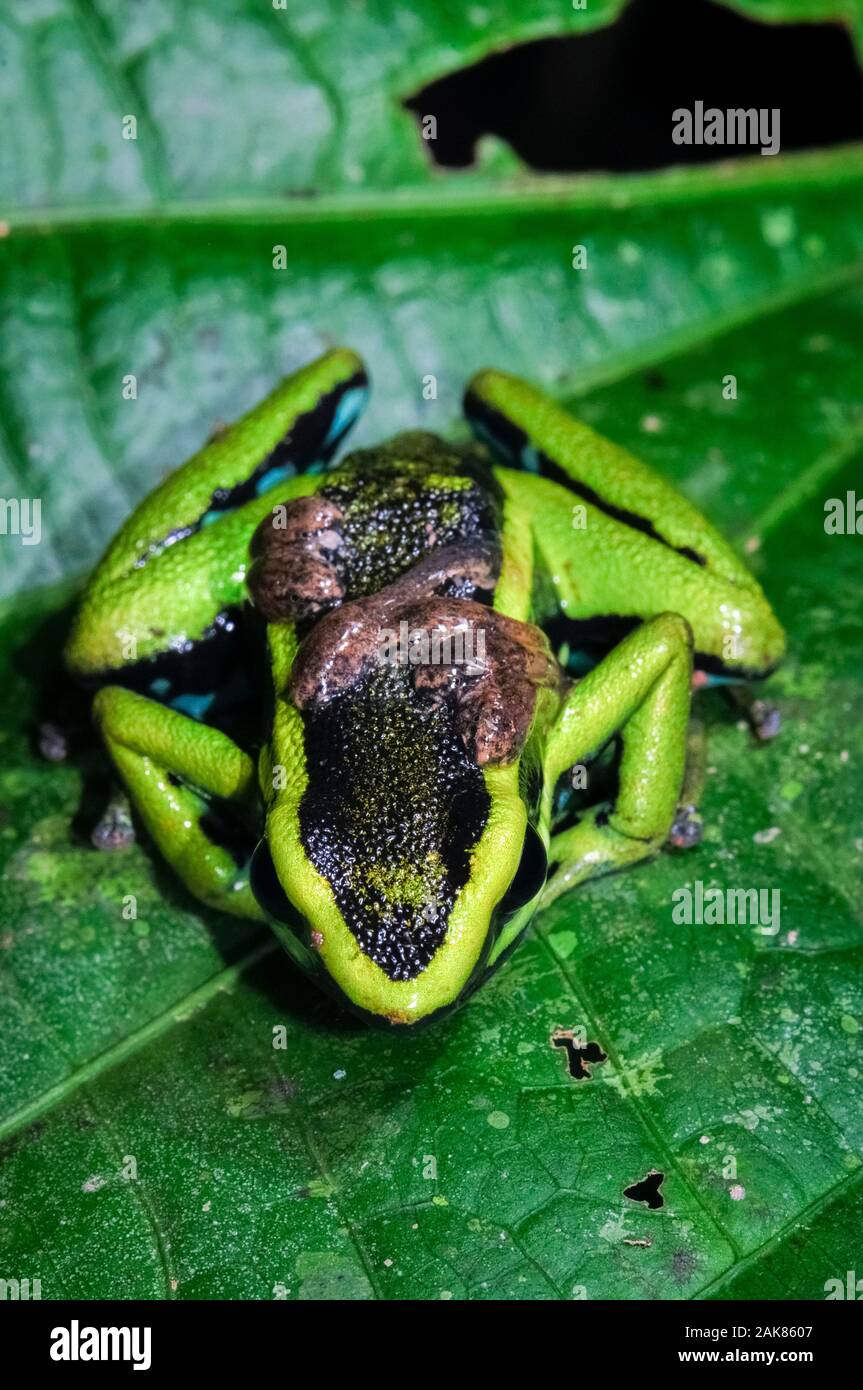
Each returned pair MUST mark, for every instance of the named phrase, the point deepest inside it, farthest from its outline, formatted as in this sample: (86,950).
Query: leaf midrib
(455,194)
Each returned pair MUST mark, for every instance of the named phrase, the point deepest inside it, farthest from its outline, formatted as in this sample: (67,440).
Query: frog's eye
(529,876)
(264,883)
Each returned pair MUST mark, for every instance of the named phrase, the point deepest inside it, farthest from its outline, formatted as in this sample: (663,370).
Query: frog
(346,693)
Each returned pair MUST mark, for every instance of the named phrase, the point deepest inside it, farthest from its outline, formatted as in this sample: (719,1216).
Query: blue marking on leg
(712,679)
(486,436)
(530,459)
(195,706)
(579,663)
(345,413)
(275,475)
(160,687)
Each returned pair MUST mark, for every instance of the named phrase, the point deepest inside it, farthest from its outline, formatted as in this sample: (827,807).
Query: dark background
(604,100)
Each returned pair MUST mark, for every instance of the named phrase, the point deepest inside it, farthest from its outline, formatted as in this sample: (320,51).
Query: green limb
(290,427)
(601,567)
(181,558)
(618,540)
(599,466)
(641,693)
(175,769)
(175,596)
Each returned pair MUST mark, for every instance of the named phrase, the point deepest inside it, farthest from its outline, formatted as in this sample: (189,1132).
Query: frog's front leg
(180,774)
(619,541)
(641,693)
(175,572)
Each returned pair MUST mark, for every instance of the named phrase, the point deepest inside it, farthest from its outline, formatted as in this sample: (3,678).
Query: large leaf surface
(245,99)
(155,1143)
(205,324)
(309,1169)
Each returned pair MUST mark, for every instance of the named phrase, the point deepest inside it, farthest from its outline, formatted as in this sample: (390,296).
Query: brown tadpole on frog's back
(493,707)
(492,695)
(296,553)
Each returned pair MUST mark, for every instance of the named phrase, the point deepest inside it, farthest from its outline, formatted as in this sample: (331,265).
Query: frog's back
(412,690)
(410,495)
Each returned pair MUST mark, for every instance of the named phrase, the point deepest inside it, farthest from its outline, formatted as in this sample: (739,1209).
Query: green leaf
(234,98)
(154,1141)
(435,286)
(309,1169)
(238,100)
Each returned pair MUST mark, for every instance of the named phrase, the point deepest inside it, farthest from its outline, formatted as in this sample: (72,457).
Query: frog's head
(402,853)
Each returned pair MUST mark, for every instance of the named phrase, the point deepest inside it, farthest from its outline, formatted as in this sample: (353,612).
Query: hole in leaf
(604,99)
(579,1056)
(647,1190)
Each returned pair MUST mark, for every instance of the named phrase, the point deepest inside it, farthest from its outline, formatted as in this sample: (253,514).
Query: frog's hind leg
(298,426)
(179,775)
(641,693)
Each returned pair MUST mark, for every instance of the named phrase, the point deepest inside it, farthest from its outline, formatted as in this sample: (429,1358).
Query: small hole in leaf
(579,1056)
(647,1190)
(604,99)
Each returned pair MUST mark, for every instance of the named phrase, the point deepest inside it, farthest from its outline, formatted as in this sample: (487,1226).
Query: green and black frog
(397,810)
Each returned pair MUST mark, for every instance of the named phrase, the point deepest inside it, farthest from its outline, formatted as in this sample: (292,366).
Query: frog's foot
(53,743)
(115,830)
(764,719)
(687,829)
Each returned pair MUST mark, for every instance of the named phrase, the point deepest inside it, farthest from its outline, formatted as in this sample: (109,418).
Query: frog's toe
(53,743)
(687,829)
(115,830)
(766,720)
